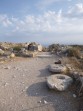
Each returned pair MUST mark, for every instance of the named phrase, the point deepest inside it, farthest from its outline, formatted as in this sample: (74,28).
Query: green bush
(17,48)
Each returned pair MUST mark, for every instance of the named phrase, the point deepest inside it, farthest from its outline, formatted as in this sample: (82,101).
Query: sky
(42,21)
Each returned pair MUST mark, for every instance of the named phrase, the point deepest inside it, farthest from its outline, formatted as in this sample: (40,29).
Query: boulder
(39,47)
(26,45)
(29,54)
(12,55)
(23,50)
(34,47)
(59,82)
(4,46)
(1,52)
(57,68)
(7,53)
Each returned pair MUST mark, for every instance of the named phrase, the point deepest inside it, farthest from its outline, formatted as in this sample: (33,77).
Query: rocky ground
(23,87)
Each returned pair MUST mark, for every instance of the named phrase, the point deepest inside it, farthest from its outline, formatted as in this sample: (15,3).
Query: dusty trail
(23,87)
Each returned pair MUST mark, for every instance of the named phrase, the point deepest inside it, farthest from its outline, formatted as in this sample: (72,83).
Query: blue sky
(43,21)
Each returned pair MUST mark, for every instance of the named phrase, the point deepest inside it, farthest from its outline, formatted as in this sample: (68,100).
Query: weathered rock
(1,52)
(8,67)
(59,82)
(26,45)
(22,50)
(45,102)
(57,68)
(7,53)
(4,46)
(39,47)
(34,47)
(29,54)
(58,62)
(74,95)
(12,55)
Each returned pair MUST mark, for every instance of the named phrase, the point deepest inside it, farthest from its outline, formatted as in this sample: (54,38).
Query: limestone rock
(8,67)
(34,47)
(74,95)
(29,54)
(4,46)
(12,55)
(1,52)
(39,47)
(7,53)
(57,68)
(23,50)
(59,82)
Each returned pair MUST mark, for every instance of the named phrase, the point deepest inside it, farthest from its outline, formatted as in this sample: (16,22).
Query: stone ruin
(19,49)
(34,47)
(61,82)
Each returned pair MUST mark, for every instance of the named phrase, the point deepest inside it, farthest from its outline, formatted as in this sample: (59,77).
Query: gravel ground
(23,87)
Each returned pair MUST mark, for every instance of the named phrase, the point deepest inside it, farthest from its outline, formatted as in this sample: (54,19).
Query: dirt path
(23,87)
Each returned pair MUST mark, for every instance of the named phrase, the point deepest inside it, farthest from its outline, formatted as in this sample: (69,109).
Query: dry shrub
(67,72)
(73,52)
(44,49)
(54,47)
(76,63)
(73,61)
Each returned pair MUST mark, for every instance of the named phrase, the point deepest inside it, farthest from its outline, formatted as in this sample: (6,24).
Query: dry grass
(73,62)
(73,52)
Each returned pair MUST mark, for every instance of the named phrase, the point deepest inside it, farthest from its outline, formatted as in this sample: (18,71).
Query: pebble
(45,102)
(36,93)
(13,76)
(26,87)
(22,82)
(1,62)
(74,96)
(6,84)
(10,98)
(39,101)
(16,68)
(23,90)
(8,67)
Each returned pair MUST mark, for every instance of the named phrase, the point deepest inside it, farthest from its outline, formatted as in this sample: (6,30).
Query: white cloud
(79,7)
(43,23)
(76,10)
(4,20)
(51,23)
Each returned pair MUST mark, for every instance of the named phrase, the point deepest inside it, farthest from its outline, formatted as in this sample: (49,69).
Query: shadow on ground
(55,101)
(44,72)
(59,100)
(39,89)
